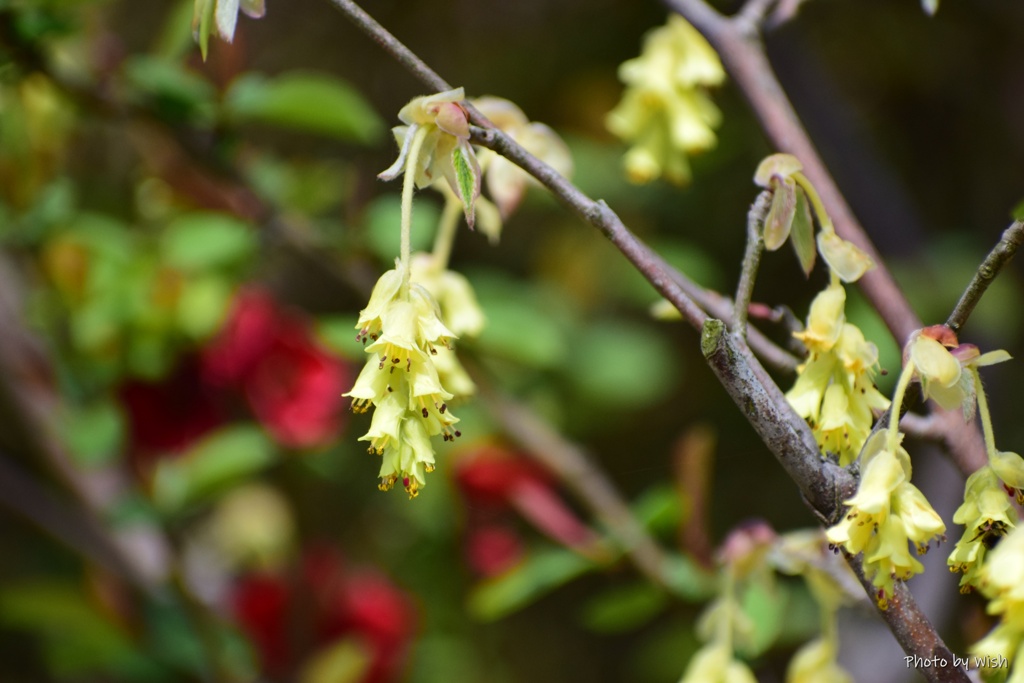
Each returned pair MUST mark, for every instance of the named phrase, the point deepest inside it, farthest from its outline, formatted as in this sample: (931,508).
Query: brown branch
(751,261)
(575,469)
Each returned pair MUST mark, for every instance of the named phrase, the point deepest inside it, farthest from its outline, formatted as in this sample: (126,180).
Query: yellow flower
(664,111)
(401,381)
(714,663)
(1002,582)
(987,515)
(835,390)
(815,662)
(886,514)
(825,321)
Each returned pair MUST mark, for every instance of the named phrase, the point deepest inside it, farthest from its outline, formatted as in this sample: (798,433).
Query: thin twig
(751,16)
(1000,255)
(576,470)
(751,261)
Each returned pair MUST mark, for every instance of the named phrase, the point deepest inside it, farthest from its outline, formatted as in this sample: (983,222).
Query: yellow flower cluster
(1001,580)
(835,389)
(987,514)
(887,512)
(401,381)
(665,113)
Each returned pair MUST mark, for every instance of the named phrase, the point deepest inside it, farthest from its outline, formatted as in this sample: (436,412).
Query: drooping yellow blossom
(886,513)
(665,112)
(831,583)
(459,308)
(401,381)
(987,515)
(715,663)
(1001,580)
(835,390)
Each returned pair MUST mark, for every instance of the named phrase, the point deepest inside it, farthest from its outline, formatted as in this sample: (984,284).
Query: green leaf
(77,638)
(764,603)
(659,509)
(624,609)
(203,305)
(204,13)
(626,365)
(219,461)
(94,434)
(802,234)
(305,101)
(541,573)
(687,580)
(198,241)
(175,36)
(180,94)
(468,184)
(345,661)
(779,222)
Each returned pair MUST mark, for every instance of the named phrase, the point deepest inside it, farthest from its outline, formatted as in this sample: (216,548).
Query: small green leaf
(93,434)
(204,12)
(687,580)
(197,241)
(779,221)
(345,661)
(541,573)
(225,458)
(659,509)
(468,180)
(76,638)
(764,603)
(179,93)
(802,234)
(624,609)
(306,101)
(202,306)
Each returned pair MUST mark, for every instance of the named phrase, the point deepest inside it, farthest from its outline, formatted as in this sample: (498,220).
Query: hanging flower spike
(665,112)
(987,515)
(835,390)
(401,381)
(886,513)
(446,153)
(1002,582)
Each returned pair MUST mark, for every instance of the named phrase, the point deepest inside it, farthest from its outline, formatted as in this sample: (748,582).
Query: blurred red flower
(363,605)
(500,479)
(167,416)
(292,384)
